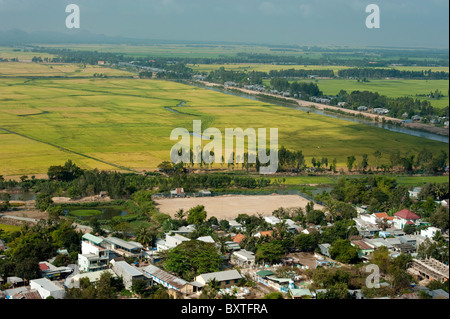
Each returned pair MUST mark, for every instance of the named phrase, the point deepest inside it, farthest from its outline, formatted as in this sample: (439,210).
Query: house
(325,249)
(204,193)
(238,238)
(206,239)
(292,226)
(297,293)
(128,273)
(232,246)
(21,293)
(272,220)
(15,281)
(52,272)
(177,192)
(430,232)
(243,258)
(364,248)
(416,118)
(444,202)
(122,247)
(362,108)
(413,194)
(184,230)
(170,281)
(174,240)
(268,233)
(47,288)
(235,224)
(404,217)
(93,277)
(225,278)
(93,256)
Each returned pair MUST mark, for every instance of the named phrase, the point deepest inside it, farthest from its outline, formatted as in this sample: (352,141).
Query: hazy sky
(323,22)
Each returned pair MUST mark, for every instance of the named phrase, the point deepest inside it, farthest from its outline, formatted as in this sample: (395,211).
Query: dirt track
(230,206)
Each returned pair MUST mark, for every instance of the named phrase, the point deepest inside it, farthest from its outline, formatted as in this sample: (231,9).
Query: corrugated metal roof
(96,240)
(165,276)
(222,275)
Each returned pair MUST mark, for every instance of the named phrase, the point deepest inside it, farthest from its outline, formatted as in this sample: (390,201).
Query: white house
(272,220)
(414,192)
(47,288)
(405,217)
(93,257)
(243,258)
(429,232)
(235,224)
(128,273)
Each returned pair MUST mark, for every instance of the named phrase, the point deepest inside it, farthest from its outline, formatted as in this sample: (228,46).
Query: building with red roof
(405,217)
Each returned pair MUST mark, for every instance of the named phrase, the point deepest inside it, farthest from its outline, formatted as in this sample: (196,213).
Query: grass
(410,181)
(85,212)
(9,228)
(123,123)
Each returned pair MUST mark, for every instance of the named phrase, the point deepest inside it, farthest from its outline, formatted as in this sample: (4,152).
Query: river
(389,127)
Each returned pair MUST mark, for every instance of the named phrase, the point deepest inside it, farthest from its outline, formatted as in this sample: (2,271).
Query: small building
(413,194)
(177,192)
(225,278)
(93,277)
(170,281)
(238,238)
(362,108)
(122,247)
(47,288)
(128,273)
(235,224)
(243,258)
(204,193)
(297,293)
(272,220)
(364,248)
(325,249)
(430,232)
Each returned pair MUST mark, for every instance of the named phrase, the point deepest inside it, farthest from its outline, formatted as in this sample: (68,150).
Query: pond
(105,213)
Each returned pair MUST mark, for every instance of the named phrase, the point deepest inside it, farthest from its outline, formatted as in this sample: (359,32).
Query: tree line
(380,73)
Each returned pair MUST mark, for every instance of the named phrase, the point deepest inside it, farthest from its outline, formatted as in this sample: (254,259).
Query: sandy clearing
(230,206)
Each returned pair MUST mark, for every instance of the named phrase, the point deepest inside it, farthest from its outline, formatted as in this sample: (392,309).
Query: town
(292,253)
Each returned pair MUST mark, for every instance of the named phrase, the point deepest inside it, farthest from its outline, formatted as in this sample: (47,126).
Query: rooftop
(221,275)
(165,276)
(406,214)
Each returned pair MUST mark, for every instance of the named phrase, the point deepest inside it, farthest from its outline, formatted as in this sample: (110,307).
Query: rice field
(119,124)
(28,69)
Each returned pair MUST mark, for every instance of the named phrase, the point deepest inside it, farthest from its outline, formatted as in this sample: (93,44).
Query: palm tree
(180,214)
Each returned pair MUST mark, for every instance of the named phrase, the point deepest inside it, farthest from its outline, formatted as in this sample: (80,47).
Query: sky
(410,23)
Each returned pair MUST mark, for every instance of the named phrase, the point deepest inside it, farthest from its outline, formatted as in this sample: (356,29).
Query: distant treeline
(242,78)
(377,73)
(301,73)
(303,88)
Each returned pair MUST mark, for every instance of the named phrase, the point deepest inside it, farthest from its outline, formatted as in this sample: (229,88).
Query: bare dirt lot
(230,206)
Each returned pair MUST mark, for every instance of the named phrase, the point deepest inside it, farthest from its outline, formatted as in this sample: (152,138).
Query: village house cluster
(107,254)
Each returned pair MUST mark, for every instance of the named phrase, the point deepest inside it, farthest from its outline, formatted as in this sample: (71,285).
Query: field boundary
(64,149)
